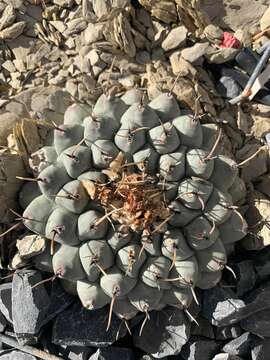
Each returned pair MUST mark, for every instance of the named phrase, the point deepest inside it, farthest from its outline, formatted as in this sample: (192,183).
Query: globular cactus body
(139,208)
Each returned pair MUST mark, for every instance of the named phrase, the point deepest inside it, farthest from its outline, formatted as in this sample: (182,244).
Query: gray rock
(261,350)
(113,353)
(59,101)
(37,307)
(228,87)
(5,301)
(3,322)
(194,53)
(199,348)
(7,122)
(222,307)
(224,356)
(164,334)
(258,323)
(228,332)
(240,77)
(246,277)
(15,355)
(175,39)
(80,327)
(240,346)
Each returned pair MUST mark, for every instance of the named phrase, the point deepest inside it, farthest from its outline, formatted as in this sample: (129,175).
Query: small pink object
(229,41)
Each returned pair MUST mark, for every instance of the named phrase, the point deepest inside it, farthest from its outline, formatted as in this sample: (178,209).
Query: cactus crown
(134,203)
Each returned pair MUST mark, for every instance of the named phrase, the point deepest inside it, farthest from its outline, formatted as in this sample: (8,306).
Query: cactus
(136,206)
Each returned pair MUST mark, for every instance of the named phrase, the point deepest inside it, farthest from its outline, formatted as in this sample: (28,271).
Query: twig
(28,349)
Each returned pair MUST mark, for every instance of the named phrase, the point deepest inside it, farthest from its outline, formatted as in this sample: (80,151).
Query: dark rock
(261,350)
(221,306)
(247,60)
(263,97)
(164,334)
(199,348)
(240,77)
(204,329)
(228,332)
(224,356)
(262,264)
(113,353)
(228,87)
(5,300)
(78,352)
(258,324)
(246,277)
(33,307)
(240,346)
(15,355)
(81,327)
(3,322)
(258,299)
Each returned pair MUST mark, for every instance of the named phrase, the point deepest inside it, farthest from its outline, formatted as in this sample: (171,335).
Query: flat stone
(38,306)
(175,39)
(5,301)
(15,355)
(199,348)
(164,334)
(194,53)
(226,357)
(260,350)
(112,353)
(265,20)
(228,332)
(81,327)
(258,323)
(222,307)
(240,346)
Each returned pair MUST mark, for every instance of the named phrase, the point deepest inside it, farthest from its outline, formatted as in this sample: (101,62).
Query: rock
(221,55)
(81,327)
(38,307)
(246,277)
(260,350)
(226,357)
(228,87)
(199,348)
(262,264)
(257,166)
(5,301)
(256,217)
(16,355)
(162,10)
(175,39)
(213,33)
(112,353)
(7,122)
(3,323)
(143,57)
(221,306)
(194,53)
(78,352)
(64,3)
(240,346)
(93,33)
(259,114)
(265,20)
(258,323)
(171,329)
(204,329)
(228,332)
(31,245)
(246,60)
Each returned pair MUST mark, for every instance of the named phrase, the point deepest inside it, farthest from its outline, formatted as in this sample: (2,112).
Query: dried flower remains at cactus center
(137,206)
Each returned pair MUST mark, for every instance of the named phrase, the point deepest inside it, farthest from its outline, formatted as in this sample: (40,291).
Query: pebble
(240,346)
(175,39)
(199,348)
(228,87)
(5,301)
(81,327)
(171,329)
(112,353)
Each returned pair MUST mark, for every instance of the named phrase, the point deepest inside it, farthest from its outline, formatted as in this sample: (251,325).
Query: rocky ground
(53,53)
